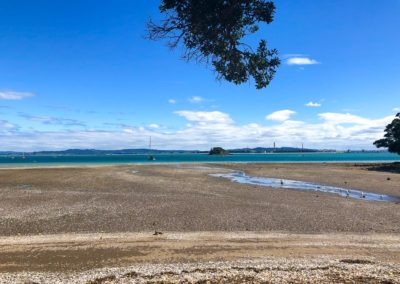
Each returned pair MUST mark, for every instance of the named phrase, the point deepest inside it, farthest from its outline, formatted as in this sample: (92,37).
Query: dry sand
(254,257)
(78,224)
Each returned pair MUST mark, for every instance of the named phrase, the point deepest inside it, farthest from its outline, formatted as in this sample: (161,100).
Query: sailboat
(150,157)
(274,150)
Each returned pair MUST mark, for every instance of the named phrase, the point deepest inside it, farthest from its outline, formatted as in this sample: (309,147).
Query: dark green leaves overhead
(212,31)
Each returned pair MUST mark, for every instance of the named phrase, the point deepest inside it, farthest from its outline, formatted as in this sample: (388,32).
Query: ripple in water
(241,177)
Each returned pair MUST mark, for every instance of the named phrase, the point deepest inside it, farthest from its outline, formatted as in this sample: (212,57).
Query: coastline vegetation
(218,151)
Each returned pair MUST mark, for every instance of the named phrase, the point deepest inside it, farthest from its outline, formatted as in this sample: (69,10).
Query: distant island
(218,151)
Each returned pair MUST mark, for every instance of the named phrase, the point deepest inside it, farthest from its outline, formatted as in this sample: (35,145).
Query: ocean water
(29,161)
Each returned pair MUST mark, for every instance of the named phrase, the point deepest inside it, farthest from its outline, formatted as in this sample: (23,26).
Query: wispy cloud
(49,120)
(396,109)
(312,104)
(6,126)
(280,115)
(289,55)
(12,95)
(172,101)
(64,108)
(116,125)
(154,126)
(205,116)
(343,118)
(196,99)
(301,61)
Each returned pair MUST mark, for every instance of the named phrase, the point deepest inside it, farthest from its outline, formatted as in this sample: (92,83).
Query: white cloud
(280,115)
(205,116)
(172,101)
(154,126)
(12,95)
(313,104)
(343,118)
(396,109)
(203,130)
(196,100)
(301,61)
(128,130)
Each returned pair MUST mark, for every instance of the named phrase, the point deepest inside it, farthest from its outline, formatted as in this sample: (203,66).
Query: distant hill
(272,150)
(143,151)
(9,153)
(111,152)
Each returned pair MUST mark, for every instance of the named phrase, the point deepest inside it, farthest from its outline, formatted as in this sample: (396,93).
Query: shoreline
(100,165)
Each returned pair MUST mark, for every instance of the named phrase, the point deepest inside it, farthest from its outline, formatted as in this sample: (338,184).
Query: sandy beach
(235,257)
(88,223)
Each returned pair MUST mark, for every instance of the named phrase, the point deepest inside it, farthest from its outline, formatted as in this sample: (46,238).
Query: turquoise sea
(29,161)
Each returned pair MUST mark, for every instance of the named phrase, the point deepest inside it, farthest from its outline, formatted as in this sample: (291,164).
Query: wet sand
(171,198)
(107,205)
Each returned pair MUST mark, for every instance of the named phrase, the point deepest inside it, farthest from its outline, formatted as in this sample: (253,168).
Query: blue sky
(79,74)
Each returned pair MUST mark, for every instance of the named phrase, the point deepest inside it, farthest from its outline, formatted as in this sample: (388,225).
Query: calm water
(10,161)
(241,177)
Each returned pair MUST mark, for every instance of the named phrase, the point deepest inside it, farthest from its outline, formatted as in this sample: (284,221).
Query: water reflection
(241,177)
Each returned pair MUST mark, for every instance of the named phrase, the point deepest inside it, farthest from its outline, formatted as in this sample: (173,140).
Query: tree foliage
(218,151)
(212,31)
(392,136)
